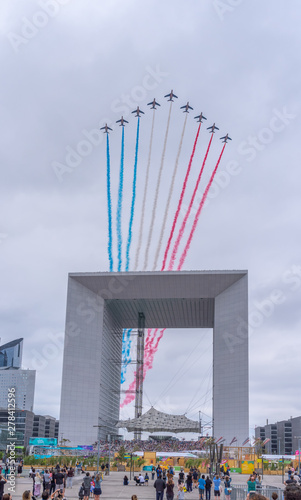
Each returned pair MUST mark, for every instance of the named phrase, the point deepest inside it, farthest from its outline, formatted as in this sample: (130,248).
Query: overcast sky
(70,66)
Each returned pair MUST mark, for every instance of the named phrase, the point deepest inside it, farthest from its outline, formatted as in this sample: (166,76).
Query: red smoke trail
(196,219)
(182,229)
(181,199)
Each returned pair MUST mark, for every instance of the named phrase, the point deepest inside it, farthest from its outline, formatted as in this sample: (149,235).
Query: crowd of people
(52,483)
(150,445)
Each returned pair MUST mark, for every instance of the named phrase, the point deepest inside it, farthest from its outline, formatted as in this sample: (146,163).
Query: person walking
(208,484)
(159,485)
(189,481)
(70,474)
(153,472)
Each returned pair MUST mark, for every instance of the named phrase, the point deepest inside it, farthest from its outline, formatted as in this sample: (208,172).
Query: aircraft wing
(125,121)
(174,95)
(117,121)
(190,107)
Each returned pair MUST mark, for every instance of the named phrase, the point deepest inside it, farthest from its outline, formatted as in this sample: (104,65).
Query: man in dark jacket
(160,487)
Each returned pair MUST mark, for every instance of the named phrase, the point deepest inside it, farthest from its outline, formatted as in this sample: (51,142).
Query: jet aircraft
(200,118)
(122,121)
(212,128)
(106,129)
(226,138)
(186,108)
(171,95)
(138,111)
(153,104)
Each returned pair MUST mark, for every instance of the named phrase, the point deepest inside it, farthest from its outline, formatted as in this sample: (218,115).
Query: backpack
(81,492)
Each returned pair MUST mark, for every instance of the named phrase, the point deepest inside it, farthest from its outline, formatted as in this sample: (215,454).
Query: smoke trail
(157,193)
(133,200)
(182,228)
(119,204)
(109,203)
(126,351)
(144,195)
(184,254)
(148,364)
(165,216)
(181,199)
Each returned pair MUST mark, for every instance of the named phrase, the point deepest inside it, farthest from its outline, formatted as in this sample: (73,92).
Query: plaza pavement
(112,487)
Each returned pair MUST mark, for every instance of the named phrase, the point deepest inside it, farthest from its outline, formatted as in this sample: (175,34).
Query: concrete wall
(231,364)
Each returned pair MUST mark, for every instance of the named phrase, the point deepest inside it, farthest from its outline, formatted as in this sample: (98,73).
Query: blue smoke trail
(126,337)
(119,203)
(133,200)
(109,201)
(126,351)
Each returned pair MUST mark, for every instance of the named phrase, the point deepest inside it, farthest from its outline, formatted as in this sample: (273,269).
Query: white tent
(157,421)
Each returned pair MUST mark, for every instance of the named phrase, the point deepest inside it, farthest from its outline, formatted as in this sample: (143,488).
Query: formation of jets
(153,105)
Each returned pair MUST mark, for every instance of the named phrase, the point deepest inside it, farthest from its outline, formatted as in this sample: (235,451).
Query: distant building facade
(284,436)
(24,426)
(27,425)
(24,383)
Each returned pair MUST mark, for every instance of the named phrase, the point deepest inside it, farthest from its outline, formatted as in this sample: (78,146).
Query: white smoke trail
(157,193)
(144,195)
(169,196)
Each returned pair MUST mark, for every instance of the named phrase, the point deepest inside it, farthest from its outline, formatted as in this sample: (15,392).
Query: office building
(284,436)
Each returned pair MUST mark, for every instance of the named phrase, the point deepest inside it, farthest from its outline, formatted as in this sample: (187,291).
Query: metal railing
(240,492)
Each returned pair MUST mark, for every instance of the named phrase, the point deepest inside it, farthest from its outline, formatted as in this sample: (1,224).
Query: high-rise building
(11,354)
(24,383)
(13,376)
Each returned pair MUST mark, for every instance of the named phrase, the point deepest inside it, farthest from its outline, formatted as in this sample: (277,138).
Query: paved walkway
(113,488)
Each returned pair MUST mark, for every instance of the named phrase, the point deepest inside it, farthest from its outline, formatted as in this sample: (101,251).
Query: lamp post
(109,439)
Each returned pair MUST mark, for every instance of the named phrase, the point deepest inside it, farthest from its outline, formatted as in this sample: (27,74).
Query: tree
(121,453)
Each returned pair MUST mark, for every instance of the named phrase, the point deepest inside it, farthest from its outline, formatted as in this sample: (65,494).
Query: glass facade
(11,354)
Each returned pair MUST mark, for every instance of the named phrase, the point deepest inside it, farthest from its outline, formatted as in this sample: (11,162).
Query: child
(181,493)
(92,487)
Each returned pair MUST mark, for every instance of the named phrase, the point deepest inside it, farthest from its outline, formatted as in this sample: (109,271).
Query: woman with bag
(228,489)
